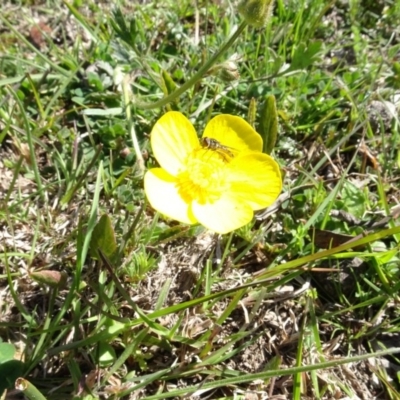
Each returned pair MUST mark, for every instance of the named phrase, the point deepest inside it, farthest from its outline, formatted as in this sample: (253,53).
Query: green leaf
(103,237)
(396,68)
(125,30)
(7,351)
(9,372)
(305,56)
(169,86)
(268,126)
(107,354)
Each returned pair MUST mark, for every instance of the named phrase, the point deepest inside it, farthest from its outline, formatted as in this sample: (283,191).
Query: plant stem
(131,126)
(195,78)
(28,389)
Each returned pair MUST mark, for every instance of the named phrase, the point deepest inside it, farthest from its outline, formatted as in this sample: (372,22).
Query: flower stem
(127,94)
(195,78)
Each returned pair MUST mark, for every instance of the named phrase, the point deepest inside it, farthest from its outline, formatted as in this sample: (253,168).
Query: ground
(102,297)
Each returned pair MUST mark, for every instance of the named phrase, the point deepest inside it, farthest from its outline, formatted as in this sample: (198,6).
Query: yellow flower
(218,181)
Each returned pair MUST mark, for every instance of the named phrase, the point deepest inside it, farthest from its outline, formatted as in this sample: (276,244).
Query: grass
(288,306)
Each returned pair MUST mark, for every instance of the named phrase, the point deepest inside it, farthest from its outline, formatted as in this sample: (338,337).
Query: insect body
(214,144)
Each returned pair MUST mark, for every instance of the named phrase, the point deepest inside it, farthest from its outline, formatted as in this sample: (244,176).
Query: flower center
(204,178)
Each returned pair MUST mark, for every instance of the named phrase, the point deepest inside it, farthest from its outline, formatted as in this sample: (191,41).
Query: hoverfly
(214,144)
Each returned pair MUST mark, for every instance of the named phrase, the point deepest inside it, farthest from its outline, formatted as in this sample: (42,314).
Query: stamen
(204,178)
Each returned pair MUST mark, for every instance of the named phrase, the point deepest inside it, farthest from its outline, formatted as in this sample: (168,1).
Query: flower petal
(255,179)
(161,191)
(173,138)
(233,132)
(224,215)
